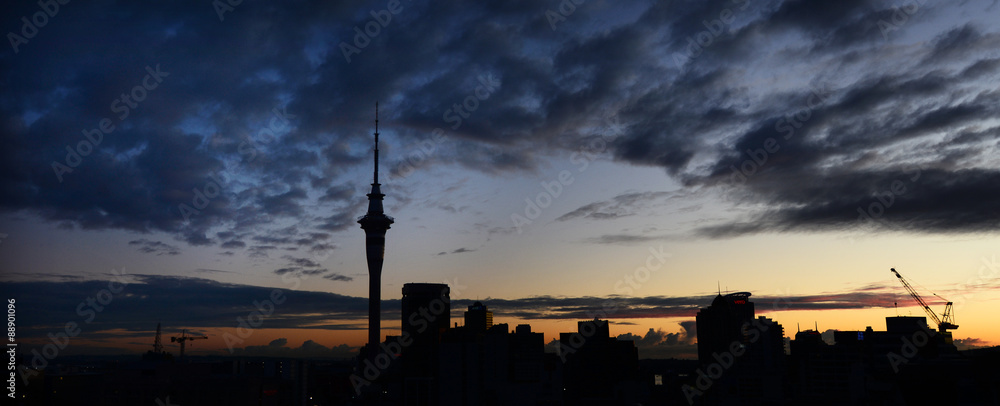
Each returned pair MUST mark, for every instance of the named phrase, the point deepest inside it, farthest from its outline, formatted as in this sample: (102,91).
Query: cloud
(300,272)
(618,308)
(260,251)
(929,201)
(969,343)
(624,238)
(194,303)
(154,247)
(338,277)
(206,270)
(233,244)
(623,205)
(304,267)
(279,140)
(308,349)
(303,262)
(659,344)
(342,193)
(458,251)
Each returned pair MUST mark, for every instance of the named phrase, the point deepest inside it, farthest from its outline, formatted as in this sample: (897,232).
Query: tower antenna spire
(376,142)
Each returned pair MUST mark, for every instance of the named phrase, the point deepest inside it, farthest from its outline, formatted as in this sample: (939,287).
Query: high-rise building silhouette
(478,318)
(722,323)
(375,223)
(600,369)
(426,317)
(741,357)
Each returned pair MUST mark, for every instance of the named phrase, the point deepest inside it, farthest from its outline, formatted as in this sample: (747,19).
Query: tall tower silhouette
(375,222)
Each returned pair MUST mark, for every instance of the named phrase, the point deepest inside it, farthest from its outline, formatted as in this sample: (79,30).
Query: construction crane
(944,323)
(183,339)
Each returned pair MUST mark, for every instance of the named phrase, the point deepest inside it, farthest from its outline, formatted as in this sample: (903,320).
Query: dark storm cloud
(197,302)
(583,308)
(922,201)
(259,116)
(176,301)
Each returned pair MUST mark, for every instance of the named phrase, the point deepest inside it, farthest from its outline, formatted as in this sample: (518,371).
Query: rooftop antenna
(816,325)
(376,142)
(719,285)
(798,329)
(157,344)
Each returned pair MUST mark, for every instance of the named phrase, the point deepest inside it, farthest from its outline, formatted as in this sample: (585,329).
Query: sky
(190,163)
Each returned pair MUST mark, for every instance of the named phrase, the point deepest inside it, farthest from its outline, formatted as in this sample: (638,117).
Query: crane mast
(944,323)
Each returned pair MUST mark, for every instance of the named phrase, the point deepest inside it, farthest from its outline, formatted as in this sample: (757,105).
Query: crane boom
(943,325)
(184,338)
